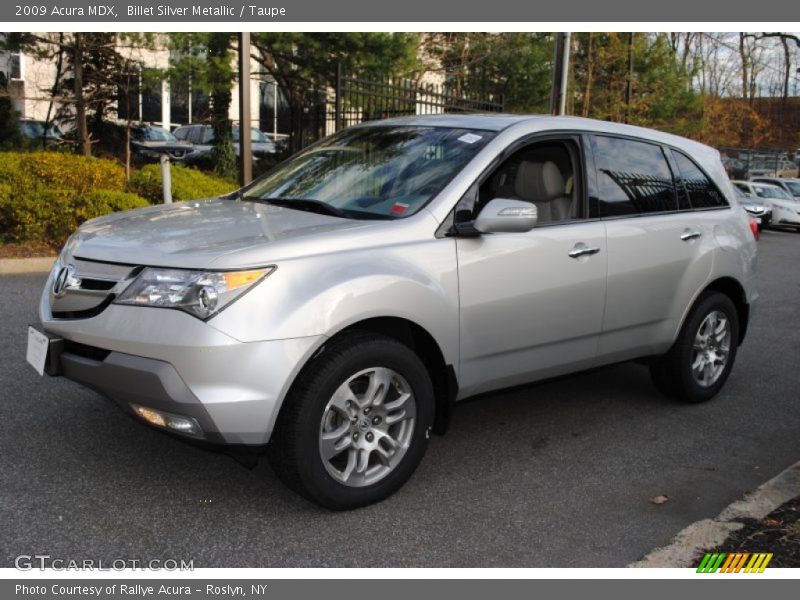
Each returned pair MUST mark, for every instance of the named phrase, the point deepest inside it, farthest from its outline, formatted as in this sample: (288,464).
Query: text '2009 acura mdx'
(338,306)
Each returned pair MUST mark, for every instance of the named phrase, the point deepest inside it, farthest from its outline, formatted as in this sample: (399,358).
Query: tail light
(754,227)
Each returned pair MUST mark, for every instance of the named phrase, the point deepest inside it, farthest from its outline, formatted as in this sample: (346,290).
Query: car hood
(217,233)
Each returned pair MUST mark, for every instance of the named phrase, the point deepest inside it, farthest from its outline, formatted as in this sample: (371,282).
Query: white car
(758,208)
(789,185)
(785,208)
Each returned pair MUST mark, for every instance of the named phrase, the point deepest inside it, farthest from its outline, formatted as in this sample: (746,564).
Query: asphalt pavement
(558,474)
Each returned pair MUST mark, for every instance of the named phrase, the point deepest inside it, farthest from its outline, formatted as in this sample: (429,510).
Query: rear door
(660,251)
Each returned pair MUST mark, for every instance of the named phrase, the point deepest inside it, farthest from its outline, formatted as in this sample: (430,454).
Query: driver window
(543,174)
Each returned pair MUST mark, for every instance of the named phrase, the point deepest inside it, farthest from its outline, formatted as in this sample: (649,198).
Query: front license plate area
(44,351)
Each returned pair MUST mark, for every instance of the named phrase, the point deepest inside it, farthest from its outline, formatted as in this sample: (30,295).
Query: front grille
(99,285)
(91,287)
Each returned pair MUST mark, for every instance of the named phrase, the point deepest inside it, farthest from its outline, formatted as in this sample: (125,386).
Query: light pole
(558,94)
(245,147)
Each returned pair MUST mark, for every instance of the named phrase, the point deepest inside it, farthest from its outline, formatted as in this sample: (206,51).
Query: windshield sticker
(469,138)
(398,208)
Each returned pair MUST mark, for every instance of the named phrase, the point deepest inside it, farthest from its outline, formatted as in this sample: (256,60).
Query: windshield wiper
(316,206)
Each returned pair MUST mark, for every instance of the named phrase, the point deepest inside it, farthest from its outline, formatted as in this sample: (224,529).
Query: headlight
(199,293)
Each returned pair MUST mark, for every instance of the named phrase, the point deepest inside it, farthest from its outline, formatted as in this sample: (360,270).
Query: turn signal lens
(151,416)
(237,279)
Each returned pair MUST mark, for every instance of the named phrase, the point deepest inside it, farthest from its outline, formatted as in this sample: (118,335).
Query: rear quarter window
(702,192)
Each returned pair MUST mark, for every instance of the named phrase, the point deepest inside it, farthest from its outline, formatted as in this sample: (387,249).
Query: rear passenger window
(702,193)
(632,178)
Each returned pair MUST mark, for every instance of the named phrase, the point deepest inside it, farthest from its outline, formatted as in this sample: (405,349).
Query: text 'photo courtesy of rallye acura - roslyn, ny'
(333,311)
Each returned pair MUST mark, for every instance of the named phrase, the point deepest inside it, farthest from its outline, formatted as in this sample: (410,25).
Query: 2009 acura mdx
(338,306)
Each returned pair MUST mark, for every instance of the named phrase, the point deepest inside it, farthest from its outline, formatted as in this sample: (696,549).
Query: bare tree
(84,143)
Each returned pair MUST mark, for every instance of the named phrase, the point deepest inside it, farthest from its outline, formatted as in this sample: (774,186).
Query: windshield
(770,192)
(373,172)
(794,186)
(32,129)
(256,135)
(156,134)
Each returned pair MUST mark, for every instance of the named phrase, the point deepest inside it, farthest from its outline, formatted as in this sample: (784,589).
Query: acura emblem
(64,280)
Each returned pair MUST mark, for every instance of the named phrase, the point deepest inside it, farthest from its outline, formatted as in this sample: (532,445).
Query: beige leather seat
(543,184)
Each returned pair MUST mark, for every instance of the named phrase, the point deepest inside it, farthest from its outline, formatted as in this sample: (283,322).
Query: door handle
(579,251)
(690,235)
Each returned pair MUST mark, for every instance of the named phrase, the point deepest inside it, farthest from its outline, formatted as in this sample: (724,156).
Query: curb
(19,266)
(686,547)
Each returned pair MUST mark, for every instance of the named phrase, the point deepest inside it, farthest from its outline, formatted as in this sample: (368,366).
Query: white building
(30,82)
(170,104)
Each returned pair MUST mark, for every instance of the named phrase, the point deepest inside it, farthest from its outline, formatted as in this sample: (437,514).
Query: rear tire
(700,360)
(339,442)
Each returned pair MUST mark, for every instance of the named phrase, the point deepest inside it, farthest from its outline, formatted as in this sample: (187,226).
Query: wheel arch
(733,290)
(421,342)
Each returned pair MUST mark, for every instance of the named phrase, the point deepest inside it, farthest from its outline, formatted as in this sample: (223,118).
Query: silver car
(201,136)
(337,308)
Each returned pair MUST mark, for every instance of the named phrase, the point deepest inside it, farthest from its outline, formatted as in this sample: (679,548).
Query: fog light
(184,425)
(164,420)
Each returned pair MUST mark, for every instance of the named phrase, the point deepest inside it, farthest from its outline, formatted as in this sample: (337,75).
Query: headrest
(538,181)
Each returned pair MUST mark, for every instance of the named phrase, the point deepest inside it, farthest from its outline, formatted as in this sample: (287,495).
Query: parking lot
(558,474)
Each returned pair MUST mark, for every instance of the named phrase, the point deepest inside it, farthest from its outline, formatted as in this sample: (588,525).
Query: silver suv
(337,307)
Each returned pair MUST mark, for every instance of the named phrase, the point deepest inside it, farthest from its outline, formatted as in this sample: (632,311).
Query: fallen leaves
(659,499)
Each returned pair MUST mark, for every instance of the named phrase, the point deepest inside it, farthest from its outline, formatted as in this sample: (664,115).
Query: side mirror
(502,215)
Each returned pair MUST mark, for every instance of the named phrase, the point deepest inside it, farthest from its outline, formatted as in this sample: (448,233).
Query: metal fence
(355,99)
(742,163)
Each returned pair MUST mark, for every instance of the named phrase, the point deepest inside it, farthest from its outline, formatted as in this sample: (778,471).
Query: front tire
(700,360)
(356,423)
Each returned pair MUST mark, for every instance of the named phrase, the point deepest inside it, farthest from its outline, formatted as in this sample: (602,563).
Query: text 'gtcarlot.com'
(28,562)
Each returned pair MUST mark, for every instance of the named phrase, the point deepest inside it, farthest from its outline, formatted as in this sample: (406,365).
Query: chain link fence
(743,163)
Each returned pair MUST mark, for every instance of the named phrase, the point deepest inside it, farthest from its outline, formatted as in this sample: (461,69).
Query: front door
(532,303)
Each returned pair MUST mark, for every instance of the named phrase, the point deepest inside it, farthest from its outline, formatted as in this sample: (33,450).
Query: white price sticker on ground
(37,349)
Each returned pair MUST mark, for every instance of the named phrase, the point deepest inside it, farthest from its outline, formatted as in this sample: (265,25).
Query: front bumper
(169,361)
(785,216)
(136,381)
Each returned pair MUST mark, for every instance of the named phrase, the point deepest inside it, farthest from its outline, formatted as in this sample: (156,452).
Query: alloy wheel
(711,348)
(367,426)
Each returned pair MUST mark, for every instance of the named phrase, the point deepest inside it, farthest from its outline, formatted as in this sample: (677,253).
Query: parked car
(785,208)
(202,138)
(339,305)
(790,185)
(33,129)
(735,168)
(149,142)
(760,209)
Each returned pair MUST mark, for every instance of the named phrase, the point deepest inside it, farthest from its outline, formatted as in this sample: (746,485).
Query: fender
(323,294)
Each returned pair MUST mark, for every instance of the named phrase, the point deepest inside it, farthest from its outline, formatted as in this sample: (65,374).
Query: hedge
(187,184)
(45,196)
(60,170)
(50,216)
